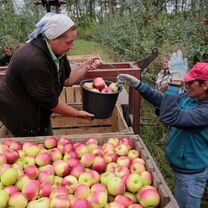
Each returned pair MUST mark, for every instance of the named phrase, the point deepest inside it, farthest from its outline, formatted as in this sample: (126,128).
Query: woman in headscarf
(37,73)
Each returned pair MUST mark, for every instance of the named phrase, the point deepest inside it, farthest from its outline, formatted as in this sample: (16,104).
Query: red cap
(198,72)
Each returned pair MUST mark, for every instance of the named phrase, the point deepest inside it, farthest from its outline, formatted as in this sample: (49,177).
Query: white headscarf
(52,26)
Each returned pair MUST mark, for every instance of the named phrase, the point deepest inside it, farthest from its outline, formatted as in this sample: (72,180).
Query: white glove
(128,80)
(178,66)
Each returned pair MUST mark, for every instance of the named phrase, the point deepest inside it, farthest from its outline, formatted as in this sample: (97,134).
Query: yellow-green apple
(106,176)
(114,141)
(95,90)
(81,203)
(77,170)
(45,189)
(21,181)
(108,147)
(88,85)
(133,182)
(57,180)
(3,159)
(121,150)
(9,177)
(70,182)
(87,178)
(146,178)
(43,158)
(61,168)
(98,83)
(111,167)
(56,154)
(11,190)
(98,199)
(107,90)
(99,164)
(116,186)
(98,187)
(114,86)
(132,196)
(123,161)
(18,200)
(28,160)
(135,206)
(46,177)
(43,202)
(121,171)
(81,149)
(32,171)
(132,154)
(31,189)
(91,140)
(59,201)
(47,168)
(4,198)
(126,201)
(11,156)
(149,198)
(137,168)
(4,167)
(50,142)
(110,157)
(115,205)
(91,146)
(87,160)
(31,149)
(82,191)
(21,153)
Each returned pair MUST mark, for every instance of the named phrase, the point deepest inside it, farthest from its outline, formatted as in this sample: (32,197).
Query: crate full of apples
(60,173)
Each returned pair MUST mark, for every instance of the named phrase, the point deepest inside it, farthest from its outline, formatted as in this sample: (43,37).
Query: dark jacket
(4,61)
(31,89)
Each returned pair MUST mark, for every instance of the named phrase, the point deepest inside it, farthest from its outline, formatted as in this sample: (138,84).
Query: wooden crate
(167,198)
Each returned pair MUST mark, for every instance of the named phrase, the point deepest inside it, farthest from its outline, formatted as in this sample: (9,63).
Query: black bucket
(99,104)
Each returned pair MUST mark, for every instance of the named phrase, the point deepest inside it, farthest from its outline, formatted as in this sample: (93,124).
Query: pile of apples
(63,174)
(99,85)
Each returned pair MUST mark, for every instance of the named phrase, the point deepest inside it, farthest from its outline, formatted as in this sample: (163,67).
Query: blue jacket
(187,147)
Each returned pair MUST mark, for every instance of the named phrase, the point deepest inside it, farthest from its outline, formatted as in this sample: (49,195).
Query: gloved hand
(178,66)
(128,80)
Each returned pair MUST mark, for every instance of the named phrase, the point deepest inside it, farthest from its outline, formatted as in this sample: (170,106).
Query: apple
(96,175)
(3,159)
(61,168)
(45,189)
(59,190)
(95,90)
(9,177)
(108,147)
(46,177)
(43,202)
(4,198)
(121,171)
(21,181)
(123,161)
(81,149)
(73,162)
(149,198)
(126,201)
(110,157)
(58,180)
(77,170)
(137,168)
(56,154)
(127,142)
(47,168)
(98,199)
(99,83)
(98,187)
(87,178)
(59,201)
(67,148)
(91,146)
(114,86)
(98,151)
(31,149)
(82,191)
(121,150)
(32,171)
(70,182)
(31,189)
(43,158)
(132,196)
(17,200)
(91,140)
(114,141)
(88,85)
(107,90)
(11,190)
(146,178)
(50,143)
(135,206)
(132,154)
(133,182)
(116,186)
(111,167)
(80,203)
(15,145)
(106,176)
(28,160)
(99,164)
(138,160)
(87,160)
(115,205)
(4,167)
(11,156)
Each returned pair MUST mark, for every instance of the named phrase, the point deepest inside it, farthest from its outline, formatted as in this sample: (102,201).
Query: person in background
(8,52)
(186,114)
(36,75)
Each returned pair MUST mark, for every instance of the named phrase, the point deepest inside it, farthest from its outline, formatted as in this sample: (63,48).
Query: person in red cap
(187,115)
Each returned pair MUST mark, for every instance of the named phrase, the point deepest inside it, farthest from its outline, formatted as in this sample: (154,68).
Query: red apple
(31,189)
(50,142)
(99,83)
(81,203)
(107,90)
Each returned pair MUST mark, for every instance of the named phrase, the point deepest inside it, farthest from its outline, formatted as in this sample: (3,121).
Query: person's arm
(66,110)
(78,73)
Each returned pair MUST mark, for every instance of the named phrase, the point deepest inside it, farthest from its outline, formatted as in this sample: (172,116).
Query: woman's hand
(85,115)
(92,63)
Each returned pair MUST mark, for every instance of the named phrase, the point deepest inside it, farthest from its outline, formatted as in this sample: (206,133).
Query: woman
(186,114)
(37,73)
